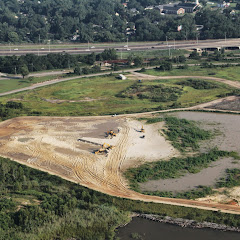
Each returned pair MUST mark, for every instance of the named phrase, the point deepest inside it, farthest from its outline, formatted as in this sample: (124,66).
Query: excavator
(142,130)
(111,133)
(104,149)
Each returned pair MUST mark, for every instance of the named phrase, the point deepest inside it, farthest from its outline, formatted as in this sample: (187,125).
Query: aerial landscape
(119,119)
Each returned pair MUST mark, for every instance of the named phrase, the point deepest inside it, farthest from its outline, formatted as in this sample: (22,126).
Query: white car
(92,47)
(15,49)
(128,49)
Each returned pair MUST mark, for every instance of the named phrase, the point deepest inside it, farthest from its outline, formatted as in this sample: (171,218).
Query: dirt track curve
(235,84)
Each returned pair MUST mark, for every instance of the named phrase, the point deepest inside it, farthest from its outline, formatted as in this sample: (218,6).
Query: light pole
(49,49)
(169,50)
(166,40)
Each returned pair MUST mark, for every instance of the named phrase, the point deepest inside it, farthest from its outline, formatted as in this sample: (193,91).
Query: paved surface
(84,49)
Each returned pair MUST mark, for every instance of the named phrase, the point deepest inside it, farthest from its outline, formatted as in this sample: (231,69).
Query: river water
(150,230)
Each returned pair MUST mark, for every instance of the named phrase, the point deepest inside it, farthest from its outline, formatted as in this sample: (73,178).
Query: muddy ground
(227,137)
(228,104)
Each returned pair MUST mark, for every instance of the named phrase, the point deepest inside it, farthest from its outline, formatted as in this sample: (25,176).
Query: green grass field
(11,84)
(152,53)
(97,96)
(230,73)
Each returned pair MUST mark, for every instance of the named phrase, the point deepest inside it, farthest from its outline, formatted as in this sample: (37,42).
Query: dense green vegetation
(33,63)
(183,134)
(174,168)
(35,205)
(198,84)
(10,109)
(231,180)
(156,93)
(106,21)
(199,192)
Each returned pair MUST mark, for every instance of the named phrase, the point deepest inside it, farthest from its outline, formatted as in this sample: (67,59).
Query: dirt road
(131,71)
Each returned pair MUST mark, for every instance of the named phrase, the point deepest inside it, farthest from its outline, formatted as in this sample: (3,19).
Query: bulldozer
(104,149)
(142,130)
(111,134)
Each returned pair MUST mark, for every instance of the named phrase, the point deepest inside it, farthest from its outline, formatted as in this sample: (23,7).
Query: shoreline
(186,223)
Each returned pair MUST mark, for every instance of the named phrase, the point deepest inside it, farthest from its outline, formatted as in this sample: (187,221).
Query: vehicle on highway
(15,49)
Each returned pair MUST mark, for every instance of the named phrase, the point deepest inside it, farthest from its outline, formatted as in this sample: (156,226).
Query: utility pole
(166,40)
(225,37)
(38,43)
(174,44)
(15,70)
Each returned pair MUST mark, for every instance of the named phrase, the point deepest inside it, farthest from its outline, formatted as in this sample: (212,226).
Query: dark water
(150,230)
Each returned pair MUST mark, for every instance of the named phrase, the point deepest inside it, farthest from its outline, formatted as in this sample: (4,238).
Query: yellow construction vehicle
(111,133)
(142,130)
(105,148)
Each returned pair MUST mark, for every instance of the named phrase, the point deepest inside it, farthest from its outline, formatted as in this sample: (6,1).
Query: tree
(138,61)
(24,71)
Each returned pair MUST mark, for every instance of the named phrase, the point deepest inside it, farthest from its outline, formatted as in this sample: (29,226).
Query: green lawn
(11,84)
(102,90)
(230,73)
(152,53)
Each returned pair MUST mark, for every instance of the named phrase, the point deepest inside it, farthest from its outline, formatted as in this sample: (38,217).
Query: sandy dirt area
(51,144)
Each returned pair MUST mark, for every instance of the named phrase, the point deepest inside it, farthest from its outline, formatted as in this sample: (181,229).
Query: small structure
(121,76)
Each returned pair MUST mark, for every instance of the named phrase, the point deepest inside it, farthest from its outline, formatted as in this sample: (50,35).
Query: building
(188,7)
(173,10)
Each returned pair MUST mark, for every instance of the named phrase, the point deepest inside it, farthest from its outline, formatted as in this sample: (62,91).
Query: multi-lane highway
(97,48)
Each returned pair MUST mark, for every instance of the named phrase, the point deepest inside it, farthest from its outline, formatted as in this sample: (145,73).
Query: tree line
(107,20)
(33,63)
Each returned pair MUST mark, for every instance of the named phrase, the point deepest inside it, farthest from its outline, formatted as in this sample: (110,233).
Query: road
(98,48)
(133,71)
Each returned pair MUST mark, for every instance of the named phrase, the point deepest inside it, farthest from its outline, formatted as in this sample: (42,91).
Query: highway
(100,47)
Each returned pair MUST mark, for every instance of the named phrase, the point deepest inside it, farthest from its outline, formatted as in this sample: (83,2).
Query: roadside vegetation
(229,73)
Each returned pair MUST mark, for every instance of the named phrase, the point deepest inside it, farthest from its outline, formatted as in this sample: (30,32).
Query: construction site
(92,151)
